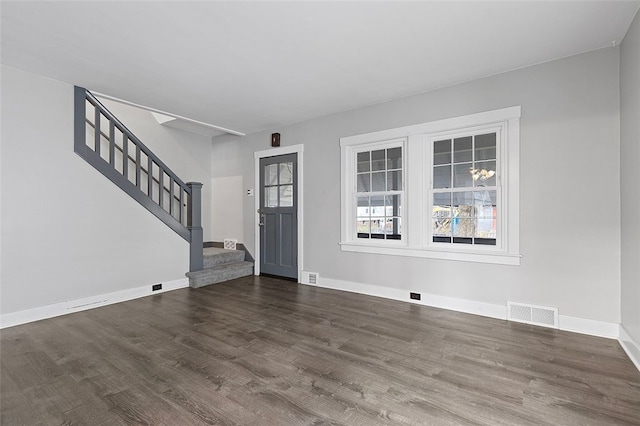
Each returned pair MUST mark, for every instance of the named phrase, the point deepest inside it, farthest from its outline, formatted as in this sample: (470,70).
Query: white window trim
(417,183)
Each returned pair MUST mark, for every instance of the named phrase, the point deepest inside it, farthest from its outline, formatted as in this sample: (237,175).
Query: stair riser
(222,258)
(205,277)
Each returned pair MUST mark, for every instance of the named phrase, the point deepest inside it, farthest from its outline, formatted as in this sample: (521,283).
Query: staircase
(103,141)
(220,265)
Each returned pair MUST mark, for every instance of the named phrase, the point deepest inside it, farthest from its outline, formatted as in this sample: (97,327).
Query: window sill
(498,258)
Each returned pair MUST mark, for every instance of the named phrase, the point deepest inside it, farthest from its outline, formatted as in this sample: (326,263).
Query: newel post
(194,225)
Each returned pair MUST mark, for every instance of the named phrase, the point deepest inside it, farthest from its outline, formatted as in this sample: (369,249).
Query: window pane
(463,203)
(463,222)
(442,200)
(286,173)
(462,227)
(271,196)
(363,161)
(441,226)
(394,158)
(286,196)
(392,205)
(486,215)
(485,198)
(442,152)
(485,147)
(362,206)
(363,224)
(378,160)
(394,180)
(484,174)
(462,175)
(363,227)
(442,177)
(377,227)
(485,222)
(378,182)
(462,149)
(364,184)
(271,174)
(441,214)
(394,228)
(377,206)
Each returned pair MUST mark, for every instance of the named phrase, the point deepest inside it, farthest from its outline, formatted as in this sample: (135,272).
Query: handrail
(155,180)
(188,195)
(134,138)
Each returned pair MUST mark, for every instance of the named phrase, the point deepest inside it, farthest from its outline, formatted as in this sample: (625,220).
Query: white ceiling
(249,66)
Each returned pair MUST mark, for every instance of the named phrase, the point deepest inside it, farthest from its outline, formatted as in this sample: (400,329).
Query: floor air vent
(310,278)
(230,244)
(532,314)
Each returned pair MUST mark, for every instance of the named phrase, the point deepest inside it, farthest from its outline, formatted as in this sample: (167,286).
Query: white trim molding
(433,300)
(57,309)
(293,149)
(566,323)
(416,142)
(589,326)
(495,258)
(631,347)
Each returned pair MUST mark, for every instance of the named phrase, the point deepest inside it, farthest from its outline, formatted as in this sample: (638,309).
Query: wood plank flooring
(263,351)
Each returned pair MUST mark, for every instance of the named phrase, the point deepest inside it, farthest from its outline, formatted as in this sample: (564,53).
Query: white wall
(226,193)
(570,161)
(228,190)
(67,231)
(629,178)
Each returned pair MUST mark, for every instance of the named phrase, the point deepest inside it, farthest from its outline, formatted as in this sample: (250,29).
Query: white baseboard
(631,347)
(609,330)
(566,323)
(451,303)
(68,307)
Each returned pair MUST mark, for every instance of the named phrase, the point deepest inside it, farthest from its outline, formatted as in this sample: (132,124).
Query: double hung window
(446,189)
(464,191)
(379,194)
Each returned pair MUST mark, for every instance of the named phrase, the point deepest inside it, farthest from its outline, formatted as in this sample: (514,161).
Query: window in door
(278,187)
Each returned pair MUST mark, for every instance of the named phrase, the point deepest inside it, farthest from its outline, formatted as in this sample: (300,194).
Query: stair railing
(112,149)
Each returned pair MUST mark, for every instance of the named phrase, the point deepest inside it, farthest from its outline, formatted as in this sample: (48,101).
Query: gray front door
(279,216)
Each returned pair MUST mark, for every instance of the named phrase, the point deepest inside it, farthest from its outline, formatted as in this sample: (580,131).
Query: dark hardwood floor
(261,351)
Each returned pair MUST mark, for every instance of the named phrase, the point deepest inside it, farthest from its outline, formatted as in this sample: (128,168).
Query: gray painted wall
(66,231)
(570,215)
(629,178)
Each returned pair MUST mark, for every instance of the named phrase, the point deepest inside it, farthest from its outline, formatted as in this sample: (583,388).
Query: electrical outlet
(414,296)
(156,287)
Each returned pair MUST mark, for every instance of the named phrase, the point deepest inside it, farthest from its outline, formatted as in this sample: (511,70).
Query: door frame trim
(293,149)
